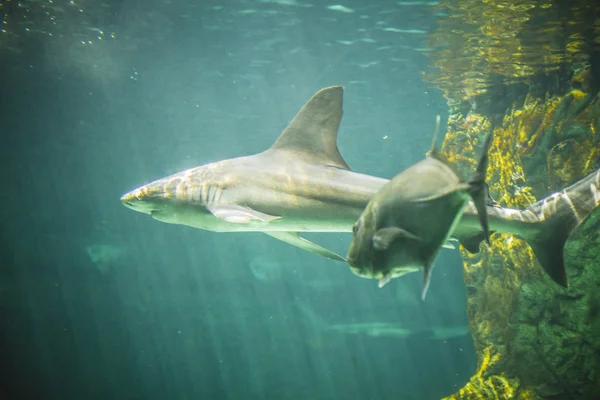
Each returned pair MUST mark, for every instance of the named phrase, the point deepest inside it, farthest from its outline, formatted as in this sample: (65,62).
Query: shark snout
(131,200)
(135,195)
(138,200)
(131,197)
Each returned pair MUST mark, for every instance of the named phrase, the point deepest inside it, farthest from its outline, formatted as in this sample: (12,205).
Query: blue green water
(100,302)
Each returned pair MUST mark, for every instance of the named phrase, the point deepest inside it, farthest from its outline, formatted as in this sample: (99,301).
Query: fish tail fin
(558,216)
(478,188)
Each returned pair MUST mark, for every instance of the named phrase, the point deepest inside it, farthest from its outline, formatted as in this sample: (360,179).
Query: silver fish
(409,219)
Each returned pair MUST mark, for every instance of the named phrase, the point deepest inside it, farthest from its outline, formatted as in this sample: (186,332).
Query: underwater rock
(529,72)
(534,339)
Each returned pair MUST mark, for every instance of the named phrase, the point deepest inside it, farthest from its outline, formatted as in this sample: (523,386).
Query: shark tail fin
(479,190)
(558,215)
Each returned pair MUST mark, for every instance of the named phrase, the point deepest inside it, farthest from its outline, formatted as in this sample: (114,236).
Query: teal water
(100,302)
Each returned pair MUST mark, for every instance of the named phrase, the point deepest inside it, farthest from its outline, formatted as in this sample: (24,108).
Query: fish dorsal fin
(312,134)
(434,151)
(437,155)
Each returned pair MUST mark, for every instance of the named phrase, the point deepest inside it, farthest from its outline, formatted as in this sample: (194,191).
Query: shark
(405,224)
(302,184)
(400,331)
(378,329)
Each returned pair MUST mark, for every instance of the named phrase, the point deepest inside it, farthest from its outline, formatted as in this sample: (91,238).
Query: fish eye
(355,228)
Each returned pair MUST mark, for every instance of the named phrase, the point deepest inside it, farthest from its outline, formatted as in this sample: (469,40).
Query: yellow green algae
(523,70)
(527,330)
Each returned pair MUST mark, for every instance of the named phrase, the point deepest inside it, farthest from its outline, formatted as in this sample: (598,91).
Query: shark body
(302,184)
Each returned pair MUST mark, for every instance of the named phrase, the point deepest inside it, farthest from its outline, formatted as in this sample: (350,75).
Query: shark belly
(306,221)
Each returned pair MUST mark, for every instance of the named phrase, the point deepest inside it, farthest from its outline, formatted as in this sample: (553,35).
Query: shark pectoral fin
(237,214)
(294,239)
(383,238)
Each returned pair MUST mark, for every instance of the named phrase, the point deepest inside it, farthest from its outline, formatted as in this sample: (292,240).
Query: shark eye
(355,228)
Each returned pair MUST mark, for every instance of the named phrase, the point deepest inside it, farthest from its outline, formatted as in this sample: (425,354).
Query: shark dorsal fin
(313,132)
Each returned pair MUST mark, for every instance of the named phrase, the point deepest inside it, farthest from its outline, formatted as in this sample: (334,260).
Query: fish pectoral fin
(237,214)
(383,238)
(448,245)
(384,281)
(294,239)
(426,279)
